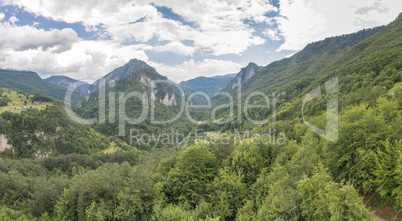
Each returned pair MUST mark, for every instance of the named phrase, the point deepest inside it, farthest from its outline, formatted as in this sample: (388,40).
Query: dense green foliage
(41,98)
(33,187)
(47,132)
(4,101)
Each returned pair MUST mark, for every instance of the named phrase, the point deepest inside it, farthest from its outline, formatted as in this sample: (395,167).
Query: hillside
(308,62)
(20,101)
(31,83)
(47,131)
(208,85)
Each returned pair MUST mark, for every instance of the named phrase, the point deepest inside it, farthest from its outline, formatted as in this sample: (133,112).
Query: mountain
(122,72)
(245,74)
(67,82)
(138,75)
(208,85)
(30,82)
(130,78)
(307,62)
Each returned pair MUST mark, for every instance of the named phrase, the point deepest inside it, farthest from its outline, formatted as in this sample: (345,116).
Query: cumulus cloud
(211,27)
(176,47)
(21,38)
(191,69)
(91,12)
(273,34)
(13,20)
(220,27)
(62,52)
(305,21)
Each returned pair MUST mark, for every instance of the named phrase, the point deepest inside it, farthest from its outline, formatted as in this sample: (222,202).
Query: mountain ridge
(31,82)
(68,82)
(121,72)
(208,85)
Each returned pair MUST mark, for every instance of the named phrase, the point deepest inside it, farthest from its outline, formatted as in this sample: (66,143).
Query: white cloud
(191,69)
(256,10)
(220,24)
(21,38)
(93,59)
(305,21)
(273,34)
(220,27)
(13,20)
(175,47)
(212,14)
(90,12)
(62,52)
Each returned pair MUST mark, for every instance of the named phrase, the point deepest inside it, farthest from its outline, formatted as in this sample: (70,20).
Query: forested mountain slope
(308,62)
(46,130)
(30,82)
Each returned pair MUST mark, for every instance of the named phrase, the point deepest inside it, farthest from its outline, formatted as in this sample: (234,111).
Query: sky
(182,39)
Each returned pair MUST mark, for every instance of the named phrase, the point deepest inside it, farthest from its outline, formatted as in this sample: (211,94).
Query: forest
(311,179)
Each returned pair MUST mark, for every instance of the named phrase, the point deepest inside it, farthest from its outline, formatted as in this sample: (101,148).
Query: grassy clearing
(18,99)
(113,148)
(396,88)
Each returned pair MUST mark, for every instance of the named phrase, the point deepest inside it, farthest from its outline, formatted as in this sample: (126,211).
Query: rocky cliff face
(69,82)
(244,74)
(169,101)
(4,143)
(147,81)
